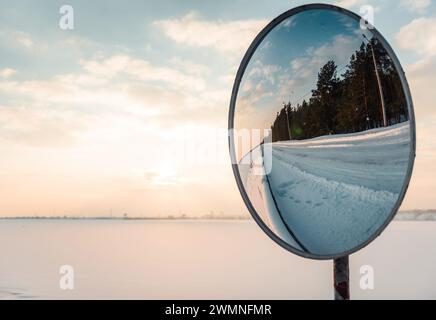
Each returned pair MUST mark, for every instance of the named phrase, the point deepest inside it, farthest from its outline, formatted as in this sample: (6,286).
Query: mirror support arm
(341,278)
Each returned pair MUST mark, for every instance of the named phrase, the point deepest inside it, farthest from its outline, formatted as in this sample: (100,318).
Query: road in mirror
(322,132)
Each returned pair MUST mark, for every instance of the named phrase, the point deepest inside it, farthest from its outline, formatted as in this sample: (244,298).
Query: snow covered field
(199,260)
(322,186)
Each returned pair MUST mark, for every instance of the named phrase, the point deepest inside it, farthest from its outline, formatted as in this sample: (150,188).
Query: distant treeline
(169,217)
(347,103)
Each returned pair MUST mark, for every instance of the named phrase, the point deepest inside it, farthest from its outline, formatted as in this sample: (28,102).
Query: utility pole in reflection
(382,98)
(287,121)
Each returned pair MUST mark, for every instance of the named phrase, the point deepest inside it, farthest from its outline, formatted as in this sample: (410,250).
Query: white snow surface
(332,193)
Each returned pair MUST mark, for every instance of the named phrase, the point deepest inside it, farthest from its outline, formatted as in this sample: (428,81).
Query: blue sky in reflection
(285,65)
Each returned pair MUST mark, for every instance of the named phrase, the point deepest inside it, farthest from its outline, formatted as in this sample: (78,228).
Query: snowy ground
(321,187)
(199,260)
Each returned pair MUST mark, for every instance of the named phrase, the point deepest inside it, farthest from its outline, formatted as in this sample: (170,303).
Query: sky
(281,71)
(127,112)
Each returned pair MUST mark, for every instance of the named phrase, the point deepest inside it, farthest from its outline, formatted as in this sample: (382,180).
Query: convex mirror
(322,133)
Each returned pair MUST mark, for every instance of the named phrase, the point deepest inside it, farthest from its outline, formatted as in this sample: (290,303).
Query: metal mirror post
(341,278)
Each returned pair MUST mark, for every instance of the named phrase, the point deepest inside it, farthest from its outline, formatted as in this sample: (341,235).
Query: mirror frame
(247,57)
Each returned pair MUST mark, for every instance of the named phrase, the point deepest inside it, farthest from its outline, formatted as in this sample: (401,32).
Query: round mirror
(322,133)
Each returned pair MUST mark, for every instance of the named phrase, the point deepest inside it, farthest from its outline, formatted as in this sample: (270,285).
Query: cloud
(190,67)
(348,3)
(264,72)
(7,72)
(421,77)
(39,91)
(305,69)
(265,87)
(339,49)
(415,5)
(258,86)
(139,69)
(422,80)
(363,5)
(121,89)
(23,39)
(18,38)
(419,36)
(224,36)
(38,127)
(178,92)
(108,82)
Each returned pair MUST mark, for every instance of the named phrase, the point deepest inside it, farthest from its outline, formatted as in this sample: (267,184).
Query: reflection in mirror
(329,134)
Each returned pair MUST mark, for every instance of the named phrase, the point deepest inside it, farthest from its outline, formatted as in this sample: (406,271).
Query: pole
(380,89)
(287,121)
(341,278)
